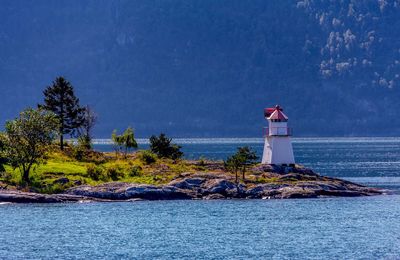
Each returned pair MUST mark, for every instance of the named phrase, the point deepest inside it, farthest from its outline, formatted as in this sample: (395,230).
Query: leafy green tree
(163,148)
(27,139)
(125,141)
(3,159)
(247,157)
(244,157)
(233,164)
(60,99)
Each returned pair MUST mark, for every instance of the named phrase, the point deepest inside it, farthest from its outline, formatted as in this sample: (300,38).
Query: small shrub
(85,142)
(136,170)
(78,152)
(94,172)
(147,157)
(202,161)
(6,176)
(115,173)
(54,188)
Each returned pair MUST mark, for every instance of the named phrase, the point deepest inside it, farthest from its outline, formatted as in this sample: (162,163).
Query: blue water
(339,157)
(327,228)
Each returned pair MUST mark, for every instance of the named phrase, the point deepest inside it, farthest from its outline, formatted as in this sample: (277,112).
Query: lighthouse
(277,146)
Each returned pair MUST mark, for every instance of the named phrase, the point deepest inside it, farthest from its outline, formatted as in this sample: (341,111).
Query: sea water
(325,228)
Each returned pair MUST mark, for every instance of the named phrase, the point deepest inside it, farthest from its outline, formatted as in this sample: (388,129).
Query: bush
(78,152)
(163,148)
(84,142)
(82,154)
(136,170)
(115,173)
(6,176)
(147,157)
(202,161)
(94,172)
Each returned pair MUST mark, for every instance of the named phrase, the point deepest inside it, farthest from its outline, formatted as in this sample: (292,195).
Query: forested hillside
(208,68)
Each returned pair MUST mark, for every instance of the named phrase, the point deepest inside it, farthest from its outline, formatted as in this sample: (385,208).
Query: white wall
(278,150)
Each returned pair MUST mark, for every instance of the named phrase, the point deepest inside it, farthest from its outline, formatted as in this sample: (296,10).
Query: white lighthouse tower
(277,147)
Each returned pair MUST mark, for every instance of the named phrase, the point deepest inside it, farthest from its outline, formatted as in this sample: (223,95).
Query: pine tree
(61,100)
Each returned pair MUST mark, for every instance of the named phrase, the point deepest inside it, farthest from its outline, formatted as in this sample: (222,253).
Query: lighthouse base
(278,150)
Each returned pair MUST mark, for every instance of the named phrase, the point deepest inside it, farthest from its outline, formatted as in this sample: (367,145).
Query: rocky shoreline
(284,183)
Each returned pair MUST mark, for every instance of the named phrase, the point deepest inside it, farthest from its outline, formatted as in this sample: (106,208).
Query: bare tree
(86,130)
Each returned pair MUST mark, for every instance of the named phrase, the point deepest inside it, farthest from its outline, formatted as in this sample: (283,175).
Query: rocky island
(35,167)
(263,182)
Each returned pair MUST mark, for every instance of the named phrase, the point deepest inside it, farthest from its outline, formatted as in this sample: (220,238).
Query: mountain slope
(208,68)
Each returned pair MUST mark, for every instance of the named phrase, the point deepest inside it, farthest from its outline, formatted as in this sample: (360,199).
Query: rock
(188,183)
(220,186)
(30,197)
(296,193)
(109,191)
(264,190)
(214,197)
(128,191)
(150,192)
(288,182)
(62,180)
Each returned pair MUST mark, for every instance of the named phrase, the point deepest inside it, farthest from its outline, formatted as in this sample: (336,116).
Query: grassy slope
(45,178)
(60,165)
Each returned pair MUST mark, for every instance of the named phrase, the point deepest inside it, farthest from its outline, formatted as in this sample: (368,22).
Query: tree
(125,141)
(85,131)
(163,148)
(233,164)
(27,139)
(247,157)
(244,157)
(61,100)
(3,159)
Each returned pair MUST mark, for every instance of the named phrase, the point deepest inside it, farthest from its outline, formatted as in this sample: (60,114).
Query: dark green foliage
(114,173)
(147,157)
(28,138)
(233,164)
(3,159)
(244,157)
(7,177)
(135,171)
(247,157)
(94,172)
(125,142)
(163,148)
(78,152)
(85,142)
(60,99)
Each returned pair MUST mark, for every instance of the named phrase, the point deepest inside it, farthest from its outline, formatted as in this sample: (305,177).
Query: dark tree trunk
(62,142)
(25,176)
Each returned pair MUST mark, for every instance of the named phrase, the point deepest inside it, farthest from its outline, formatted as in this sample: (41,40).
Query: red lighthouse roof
(275,113)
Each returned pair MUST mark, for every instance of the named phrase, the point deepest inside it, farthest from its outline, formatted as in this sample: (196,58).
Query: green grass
(106,168)
(133,169)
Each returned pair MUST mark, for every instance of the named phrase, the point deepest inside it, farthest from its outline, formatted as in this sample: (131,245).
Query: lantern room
(277,122)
